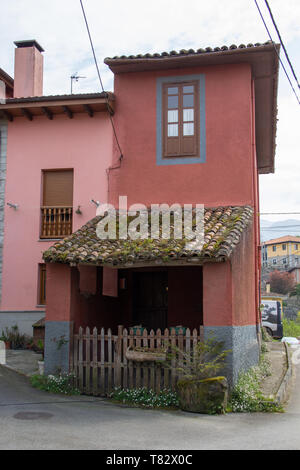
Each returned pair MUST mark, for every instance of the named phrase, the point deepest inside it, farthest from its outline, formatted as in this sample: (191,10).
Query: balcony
(56,222)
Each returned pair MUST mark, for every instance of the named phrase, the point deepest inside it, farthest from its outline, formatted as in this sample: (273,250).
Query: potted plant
(41,364)
(199,388)
(5,337)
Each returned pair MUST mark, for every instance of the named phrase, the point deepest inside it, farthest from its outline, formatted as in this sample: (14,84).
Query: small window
(180,119)
(274,261)
(274,247)
(57,210)
(42,284)
(296,246)
(284,246)
(284,260)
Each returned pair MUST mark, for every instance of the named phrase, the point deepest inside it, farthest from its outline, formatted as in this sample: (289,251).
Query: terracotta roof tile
(184,52)
(223,227)
(286,238)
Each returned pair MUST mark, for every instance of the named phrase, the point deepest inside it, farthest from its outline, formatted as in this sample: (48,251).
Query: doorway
(150,299)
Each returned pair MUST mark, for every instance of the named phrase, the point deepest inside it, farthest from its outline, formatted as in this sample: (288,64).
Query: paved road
(31,419)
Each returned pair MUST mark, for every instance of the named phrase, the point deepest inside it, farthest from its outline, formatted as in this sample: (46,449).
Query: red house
(193,127)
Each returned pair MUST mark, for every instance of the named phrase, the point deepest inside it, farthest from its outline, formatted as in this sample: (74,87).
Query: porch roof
(223,227)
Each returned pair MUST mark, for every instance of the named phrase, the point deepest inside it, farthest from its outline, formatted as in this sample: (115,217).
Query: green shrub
(146,398)
(205,360)
(63,383)
(290,327)
(246,395)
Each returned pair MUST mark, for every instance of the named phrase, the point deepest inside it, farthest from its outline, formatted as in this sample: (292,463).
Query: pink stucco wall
(227,176)
(229,289)
(83,144)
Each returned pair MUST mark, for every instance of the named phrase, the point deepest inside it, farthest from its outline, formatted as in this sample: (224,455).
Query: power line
(279,213)
(263,20)
(279,227)
(281,42)
(99,76)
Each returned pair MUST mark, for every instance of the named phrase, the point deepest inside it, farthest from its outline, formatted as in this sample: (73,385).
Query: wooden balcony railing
(56,222)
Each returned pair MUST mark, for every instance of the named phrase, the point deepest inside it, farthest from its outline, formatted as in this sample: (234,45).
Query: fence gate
(100,361)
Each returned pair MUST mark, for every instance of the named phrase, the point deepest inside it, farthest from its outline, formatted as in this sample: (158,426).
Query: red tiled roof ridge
(185,52)
(285,238)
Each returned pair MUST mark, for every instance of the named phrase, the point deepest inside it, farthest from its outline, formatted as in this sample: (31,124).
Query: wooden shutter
(58,188)
(42,284)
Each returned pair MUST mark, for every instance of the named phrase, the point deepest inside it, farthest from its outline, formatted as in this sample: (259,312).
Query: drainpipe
(256,213)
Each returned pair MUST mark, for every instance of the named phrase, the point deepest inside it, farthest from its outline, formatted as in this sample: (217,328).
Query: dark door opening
(150,299)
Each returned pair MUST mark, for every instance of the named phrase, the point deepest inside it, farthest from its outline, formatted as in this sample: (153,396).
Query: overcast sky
(139,26)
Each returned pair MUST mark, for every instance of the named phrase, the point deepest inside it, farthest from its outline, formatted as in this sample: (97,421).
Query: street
(31,419)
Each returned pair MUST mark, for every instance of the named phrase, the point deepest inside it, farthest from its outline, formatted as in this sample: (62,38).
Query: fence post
(118,357)
(71,348)
(80,357)
(95,361)
(87,360)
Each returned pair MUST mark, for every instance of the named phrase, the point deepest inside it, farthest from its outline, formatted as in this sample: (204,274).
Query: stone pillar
(62,289)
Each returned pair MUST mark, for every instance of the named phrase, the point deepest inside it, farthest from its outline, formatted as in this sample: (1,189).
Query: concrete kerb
(281,394)
(15,370)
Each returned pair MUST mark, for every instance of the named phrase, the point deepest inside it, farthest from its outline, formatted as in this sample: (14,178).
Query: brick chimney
(28,78)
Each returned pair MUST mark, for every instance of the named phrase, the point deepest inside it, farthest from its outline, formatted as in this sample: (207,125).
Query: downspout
(256,214)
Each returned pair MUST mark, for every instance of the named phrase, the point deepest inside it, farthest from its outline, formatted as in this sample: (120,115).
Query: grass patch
(246,395)
(63,383)
(291,327)
(146,398)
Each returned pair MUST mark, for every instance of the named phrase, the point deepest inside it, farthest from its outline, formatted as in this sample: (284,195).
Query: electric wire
(100,80)
(285,71)
(281,42)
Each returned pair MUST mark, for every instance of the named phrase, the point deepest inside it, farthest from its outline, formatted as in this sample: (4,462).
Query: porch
(158,285)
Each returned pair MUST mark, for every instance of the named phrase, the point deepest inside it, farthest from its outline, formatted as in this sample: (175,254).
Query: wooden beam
(7,115)
(47,112)
(68,111)
(88,109)
(27,113)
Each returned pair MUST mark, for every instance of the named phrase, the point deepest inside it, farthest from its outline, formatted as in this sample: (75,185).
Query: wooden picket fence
(99,363)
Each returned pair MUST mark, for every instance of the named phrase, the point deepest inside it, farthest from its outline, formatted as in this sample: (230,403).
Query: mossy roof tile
(223,227)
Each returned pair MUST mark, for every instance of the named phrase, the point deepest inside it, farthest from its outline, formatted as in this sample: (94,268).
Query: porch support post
(221,320)
(62,285)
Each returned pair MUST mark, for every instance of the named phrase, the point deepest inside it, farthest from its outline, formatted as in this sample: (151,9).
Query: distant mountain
(269,230)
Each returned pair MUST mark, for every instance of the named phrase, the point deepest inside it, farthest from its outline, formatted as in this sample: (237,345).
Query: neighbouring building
(281,254)
(55,151)
(194,127)
(296,274)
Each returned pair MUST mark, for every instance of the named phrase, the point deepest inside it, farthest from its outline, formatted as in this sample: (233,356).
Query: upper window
(274,247)
(57,206)
(180,119)
(284,246)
